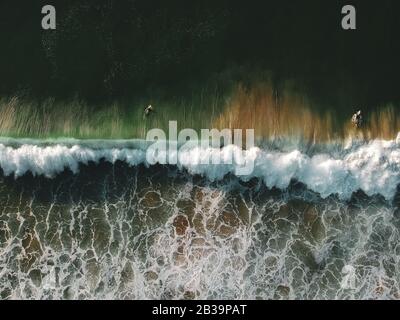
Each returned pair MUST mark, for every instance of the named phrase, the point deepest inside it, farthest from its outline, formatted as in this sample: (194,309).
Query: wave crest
(372,167)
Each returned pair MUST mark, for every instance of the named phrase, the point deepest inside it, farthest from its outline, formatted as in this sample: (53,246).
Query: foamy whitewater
(372,167)
(98,219)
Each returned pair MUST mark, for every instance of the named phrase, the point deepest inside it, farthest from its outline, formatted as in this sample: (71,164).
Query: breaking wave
(116,229)
(373,167)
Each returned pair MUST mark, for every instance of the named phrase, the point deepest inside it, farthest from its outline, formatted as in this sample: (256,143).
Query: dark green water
(318,218)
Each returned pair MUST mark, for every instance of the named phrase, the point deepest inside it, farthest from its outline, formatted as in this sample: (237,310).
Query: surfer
(148,110)
(357,119)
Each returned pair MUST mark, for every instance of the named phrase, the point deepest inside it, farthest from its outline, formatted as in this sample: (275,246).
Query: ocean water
(92,219)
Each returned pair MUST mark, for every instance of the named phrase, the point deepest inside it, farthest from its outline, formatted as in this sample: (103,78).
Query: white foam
(373,167)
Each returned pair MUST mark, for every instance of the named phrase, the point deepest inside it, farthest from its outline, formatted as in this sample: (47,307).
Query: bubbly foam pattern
(130,233)
(372,167)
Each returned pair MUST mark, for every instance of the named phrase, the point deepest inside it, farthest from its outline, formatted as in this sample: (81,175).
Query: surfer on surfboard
(357,119)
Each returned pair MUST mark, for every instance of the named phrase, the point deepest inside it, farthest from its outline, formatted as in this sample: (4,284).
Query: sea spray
(372,167)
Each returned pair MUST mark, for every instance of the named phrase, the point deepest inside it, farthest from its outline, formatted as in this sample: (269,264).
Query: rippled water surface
(115,231)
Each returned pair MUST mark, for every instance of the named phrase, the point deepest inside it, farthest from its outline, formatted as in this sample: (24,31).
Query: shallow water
(270,111)
(113,230)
